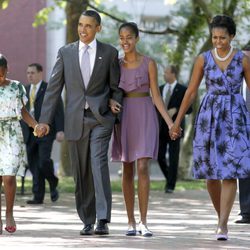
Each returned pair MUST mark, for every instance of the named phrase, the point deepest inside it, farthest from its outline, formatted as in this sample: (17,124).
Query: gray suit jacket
(102,86)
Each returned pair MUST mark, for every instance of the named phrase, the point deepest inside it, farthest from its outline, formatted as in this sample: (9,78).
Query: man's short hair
(94,14)
(38,66)
(174,69)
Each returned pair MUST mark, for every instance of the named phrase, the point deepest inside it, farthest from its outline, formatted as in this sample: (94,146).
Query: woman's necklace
(222,59)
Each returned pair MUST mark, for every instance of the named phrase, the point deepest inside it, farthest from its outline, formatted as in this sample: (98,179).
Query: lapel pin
(100,57)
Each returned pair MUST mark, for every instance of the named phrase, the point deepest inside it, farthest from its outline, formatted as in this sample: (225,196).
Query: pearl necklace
(222,59)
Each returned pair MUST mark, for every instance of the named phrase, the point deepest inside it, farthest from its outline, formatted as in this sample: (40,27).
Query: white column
(55,35)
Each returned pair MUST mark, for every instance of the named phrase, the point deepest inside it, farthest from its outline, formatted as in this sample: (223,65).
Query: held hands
(41,129)
(115,106)
(175,132)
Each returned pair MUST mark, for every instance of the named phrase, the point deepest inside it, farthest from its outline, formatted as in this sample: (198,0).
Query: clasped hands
(41,129)
(115,106)
(175,132)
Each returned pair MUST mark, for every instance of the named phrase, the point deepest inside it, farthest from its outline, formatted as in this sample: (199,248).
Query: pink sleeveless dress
(137,136)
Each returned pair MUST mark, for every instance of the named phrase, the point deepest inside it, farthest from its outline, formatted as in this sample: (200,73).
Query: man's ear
(99,28)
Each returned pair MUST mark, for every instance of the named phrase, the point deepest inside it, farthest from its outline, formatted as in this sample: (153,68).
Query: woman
(221,145)
(136,138)
(12,148)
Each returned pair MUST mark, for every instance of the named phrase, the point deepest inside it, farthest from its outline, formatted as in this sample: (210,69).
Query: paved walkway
(183,220)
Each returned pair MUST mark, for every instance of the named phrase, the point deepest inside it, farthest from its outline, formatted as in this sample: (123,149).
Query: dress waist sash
(136,94)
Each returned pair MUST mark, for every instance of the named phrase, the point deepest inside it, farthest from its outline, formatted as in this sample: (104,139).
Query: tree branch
(204,7)
(231,8)
(163,32)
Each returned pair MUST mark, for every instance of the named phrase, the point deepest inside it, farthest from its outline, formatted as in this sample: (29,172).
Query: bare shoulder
(151,62)
(246,60)
(200,59)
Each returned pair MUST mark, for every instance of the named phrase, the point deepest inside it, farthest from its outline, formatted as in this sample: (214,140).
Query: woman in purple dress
(221,145)
(136,138)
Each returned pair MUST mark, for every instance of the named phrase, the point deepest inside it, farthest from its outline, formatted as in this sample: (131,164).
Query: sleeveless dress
(221,145)
(12,148)
(137,136)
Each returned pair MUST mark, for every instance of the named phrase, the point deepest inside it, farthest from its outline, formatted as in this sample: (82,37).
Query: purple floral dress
(221,145)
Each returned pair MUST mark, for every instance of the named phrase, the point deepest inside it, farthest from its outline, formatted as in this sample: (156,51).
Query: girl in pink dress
(135,139)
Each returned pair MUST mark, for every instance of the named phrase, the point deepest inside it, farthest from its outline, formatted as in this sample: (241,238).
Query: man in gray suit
(89,70)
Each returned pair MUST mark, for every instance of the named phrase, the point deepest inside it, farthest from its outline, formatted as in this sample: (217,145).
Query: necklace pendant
(222,59)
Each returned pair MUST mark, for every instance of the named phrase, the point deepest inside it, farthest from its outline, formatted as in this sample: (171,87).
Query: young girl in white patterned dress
(12,147)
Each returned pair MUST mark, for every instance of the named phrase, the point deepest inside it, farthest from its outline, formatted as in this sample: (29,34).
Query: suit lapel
(175,92)
(76,63)
(98,62)
(28,96)
(161,88)
(41,90)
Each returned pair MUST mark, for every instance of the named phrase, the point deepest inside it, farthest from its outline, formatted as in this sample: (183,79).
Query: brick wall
(19,41)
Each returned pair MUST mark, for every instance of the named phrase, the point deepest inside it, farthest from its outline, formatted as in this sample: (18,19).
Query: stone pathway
(183,220)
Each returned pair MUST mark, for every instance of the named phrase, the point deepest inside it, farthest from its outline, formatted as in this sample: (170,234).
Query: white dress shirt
(92,53)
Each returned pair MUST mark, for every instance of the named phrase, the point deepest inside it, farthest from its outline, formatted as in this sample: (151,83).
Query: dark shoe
(87,230)
(131,230)
(54,195)
(169,191)
(34,202)
(102,227)
(243,221)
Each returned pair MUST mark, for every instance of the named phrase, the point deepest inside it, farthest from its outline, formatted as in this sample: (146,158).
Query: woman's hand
(115,106)
(41,129)
(175,132)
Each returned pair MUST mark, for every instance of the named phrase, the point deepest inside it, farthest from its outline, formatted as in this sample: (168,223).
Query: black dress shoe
(102,227)
(169,191)
(34,202)
(243,221)
(54,195)
(87,230)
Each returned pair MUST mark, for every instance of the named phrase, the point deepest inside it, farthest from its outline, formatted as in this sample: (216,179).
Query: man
(244,184)
(172,93)
(90,72)
(39,149)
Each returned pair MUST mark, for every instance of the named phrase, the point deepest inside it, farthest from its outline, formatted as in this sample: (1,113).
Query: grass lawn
(66,184)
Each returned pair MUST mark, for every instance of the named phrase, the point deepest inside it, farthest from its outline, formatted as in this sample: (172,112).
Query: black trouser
(244,197)
(41,165)
(170,169)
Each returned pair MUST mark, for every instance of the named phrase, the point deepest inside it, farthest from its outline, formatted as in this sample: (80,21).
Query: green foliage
(42,16)
(66,185)
(110,27)
(4,4)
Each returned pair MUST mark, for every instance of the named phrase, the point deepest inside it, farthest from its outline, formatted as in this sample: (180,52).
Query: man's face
(33,75)
(87,29)
(169,76)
